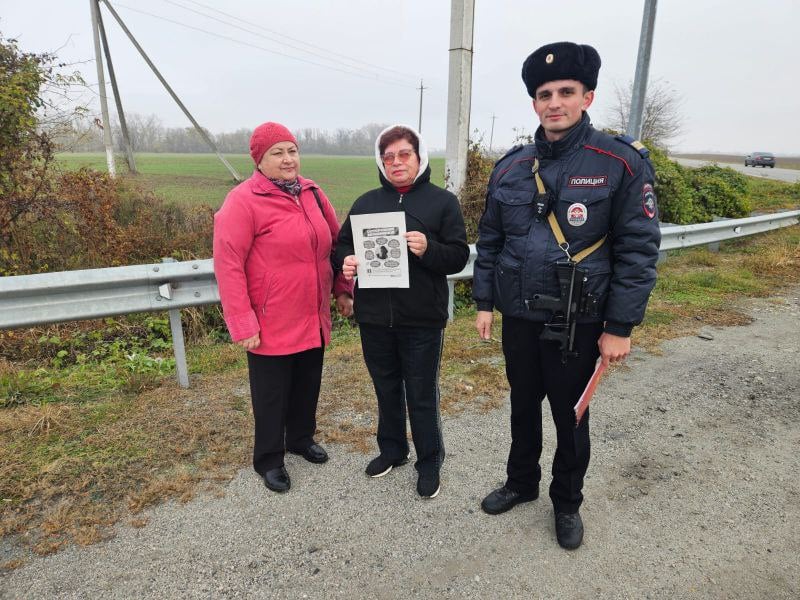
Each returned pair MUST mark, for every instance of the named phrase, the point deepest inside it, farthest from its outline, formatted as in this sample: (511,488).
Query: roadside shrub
(473,193)
(95,221)
(676,203)
(688,196)
(721,192)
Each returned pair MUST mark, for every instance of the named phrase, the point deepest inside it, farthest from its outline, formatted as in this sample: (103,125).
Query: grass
(770,195)
(202,178)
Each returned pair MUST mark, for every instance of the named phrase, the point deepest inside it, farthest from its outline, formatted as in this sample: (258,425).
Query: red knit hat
(267,135)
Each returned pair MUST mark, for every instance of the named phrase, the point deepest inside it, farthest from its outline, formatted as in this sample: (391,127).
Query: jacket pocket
(267,284)
(507,288)
(595,289)
(584,215)
(516,210)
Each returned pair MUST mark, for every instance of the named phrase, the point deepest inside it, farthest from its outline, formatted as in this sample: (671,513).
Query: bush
(473,193)
(688,196)
(676,203)
(721,192)
(96,221)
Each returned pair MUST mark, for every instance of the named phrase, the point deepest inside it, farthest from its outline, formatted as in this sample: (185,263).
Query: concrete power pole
(123,125)
(101,83)
(459,92)
(419,125)
(177,100)
(642,70)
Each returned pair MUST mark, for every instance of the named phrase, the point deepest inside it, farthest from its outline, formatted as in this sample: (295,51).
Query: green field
(202,178)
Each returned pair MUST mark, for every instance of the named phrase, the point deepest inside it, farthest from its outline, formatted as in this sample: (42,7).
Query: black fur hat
(561,60)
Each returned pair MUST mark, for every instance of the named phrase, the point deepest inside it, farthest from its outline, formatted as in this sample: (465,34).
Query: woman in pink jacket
(273,238)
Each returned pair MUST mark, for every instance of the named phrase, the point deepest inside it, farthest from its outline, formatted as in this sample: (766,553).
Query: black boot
(503,499)
(569,530)
(277,480)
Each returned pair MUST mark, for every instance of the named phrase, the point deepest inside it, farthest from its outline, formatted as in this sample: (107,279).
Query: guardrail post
(176,327)
(714,246)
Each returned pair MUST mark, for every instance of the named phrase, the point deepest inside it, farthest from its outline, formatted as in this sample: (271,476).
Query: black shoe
(428,484)
(277,480)
(569,530)
(380,465)
(314,453)
(503,499)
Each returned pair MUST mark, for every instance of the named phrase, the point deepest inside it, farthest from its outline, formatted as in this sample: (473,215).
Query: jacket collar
(565,145)
(259,184)
(422,178)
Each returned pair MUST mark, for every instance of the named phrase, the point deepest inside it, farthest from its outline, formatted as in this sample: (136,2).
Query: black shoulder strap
(319,202)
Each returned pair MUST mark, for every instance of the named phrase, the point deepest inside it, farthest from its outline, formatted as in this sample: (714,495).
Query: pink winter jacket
(272,264)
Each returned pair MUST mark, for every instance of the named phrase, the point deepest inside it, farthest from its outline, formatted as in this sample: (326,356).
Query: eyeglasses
(403,155)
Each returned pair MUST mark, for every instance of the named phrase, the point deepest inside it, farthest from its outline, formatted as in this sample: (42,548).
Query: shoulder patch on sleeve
(635,144)
(648,200)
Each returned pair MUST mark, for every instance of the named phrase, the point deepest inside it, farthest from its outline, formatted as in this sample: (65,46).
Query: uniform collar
(565,145)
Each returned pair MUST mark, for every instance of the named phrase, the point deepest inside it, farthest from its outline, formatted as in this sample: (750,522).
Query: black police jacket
(430,210)
(598,185)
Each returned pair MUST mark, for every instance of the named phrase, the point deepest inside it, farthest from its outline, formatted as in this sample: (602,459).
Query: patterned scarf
(290,187)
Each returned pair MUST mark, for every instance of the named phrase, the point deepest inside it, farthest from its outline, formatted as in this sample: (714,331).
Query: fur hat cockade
(561,60)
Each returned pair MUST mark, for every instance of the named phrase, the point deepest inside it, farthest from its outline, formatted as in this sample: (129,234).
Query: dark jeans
(535,370)
(284,391)
(404,365)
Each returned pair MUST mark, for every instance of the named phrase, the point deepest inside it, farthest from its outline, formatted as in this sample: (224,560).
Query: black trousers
(404,365)
(535,370)
(284,391)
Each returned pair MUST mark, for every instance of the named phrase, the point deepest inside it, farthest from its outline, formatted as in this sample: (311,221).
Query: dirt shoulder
(692,492)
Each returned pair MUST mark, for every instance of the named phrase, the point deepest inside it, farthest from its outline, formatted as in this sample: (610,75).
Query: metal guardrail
(684,236)
(28,300)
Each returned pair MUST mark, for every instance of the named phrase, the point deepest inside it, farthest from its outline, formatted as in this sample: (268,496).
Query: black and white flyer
(380,246)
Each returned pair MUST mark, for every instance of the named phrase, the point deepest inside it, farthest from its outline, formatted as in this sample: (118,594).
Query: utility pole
(117,98)
(163,81)
(419,126)
(459,92)
(101,83)
(642,69)
(491,135)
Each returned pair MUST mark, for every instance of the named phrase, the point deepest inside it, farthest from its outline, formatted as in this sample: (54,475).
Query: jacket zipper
(389,291)
(315,245)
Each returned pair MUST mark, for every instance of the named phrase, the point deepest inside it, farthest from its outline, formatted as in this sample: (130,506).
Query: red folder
(586,396)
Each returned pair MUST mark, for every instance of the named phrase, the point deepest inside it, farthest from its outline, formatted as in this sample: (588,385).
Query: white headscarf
(423,150)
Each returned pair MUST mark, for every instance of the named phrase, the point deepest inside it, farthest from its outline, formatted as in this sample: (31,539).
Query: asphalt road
(788,175)
(692,493)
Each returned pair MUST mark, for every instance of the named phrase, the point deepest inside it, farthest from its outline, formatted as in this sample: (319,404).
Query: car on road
(760,159)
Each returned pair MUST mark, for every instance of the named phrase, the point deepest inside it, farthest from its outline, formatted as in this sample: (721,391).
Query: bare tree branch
(662,120)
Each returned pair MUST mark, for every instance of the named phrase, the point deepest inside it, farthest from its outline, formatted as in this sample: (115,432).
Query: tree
(32,87)
(662,120)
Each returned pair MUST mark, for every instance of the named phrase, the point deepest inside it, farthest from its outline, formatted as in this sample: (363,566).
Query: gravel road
(692,493)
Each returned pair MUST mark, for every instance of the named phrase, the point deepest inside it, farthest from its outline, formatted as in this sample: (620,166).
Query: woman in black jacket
(402,328)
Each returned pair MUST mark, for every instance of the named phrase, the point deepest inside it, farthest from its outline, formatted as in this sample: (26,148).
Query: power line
(260,33)
(373,77)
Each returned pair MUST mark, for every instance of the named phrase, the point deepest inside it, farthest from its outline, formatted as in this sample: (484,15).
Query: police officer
(573,213)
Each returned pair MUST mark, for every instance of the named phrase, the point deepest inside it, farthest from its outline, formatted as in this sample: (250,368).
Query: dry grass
(69,471)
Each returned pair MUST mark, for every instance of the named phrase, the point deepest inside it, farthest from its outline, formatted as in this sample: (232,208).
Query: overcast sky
(734,63)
